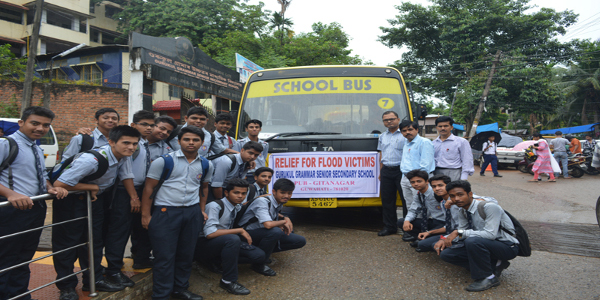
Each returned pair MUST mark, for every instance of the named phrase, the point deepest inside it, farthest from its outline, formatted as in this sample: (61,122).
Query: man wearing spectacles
(390,146)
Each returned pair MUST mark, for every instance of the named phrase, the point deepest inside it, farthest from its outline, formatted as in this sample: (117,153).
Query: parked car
(48,142)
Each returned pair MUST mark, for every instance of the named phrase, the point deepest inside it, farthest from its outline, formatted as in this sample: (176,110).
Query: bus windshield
(351,106)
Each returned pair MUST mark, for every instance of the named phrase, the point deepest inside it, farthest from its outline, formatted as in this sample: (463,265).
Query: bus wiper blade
(301,133)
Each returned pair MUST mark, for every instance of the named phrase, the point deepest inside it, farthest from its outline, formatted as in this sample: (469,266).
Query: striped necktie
(38,168)
(423,213)
(448,220)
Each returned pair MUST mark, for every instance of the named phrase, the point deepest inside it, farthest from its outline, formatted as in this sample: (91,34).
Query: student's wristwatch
(460,233)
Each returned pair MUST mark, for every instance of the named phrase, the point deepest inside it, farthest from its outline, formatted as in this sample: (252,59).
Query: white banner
(245,67)
(328,174)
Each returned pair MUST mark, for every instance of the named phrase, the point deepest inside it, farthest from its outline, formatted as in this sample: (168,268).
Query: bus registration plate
(323,202)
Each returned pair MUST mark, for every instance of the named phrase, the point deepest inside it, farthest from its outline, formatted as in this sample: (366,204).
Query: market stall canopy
(488,127)
(576,129)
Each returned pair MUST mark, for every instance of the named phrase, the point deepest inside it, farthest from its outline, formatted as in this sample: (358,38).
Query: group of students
(176,204)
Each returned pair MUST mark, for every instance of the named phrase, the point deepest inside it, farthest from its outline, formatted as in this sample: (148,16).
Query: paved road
(345,259)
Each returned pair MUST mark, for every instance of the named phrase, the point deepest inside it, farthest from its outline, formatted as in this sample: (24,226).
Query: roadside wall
(74,105)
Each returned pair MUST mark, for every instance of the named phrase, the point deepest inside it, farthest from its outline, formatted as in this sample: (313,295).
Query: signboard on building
(176,61)
(328,174)
(245,67)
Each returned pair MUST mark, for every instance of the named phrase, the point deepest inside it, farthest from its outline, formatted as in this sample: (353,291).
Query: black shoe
(483,284)
(263,269)
(497,175)
(142,265)
(503,265)
(185,294)
(407,237)
(68,294)
(234,288)
(214,267)
(414,244)
(105,286)
(120,278)
(385,232)
(481,174)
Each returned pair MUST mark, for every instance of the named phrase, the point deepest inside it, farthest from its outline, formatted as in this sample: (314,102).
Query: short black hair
(256,146)
(142,115)
(389,112)
(417,173)
(445,178)
(106,110)
(463,184)
(231,184)
(537,135)
(444,119)
(590,135)
(223,117)
(166,119)
(262,170)
(191,129)
(38,111)
(120,131)
(197,110)
(558,133)
(253,121)
(407,123)
(284,184)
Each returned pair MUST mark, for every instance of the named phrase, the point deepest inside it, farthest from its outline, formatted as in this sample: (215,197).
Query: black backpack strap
(220,202)
(254,219)
(12,155)
(251,192)
(102,166)
(87,142)
(233,161)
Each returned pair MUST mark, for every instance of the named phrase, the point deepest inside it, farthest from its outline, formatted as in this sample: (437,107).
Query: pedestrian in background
(490,156)
(575,144)
(560,152)
(543,163)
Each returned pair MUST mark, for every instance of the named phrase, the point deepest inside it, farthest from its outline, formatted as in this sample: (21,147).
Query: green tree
(10,65)
(450,43)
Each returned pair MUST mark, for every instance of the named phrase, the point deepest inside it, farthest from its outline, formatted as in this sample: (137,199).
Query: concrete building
(64,24)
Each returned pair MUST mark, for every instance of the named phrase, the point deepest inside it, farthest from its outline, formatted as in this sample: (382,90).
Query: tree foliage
(10,65)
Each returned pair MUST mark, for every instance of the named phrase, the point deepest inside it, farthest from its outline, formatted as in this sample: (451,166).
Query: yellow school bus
(323,108)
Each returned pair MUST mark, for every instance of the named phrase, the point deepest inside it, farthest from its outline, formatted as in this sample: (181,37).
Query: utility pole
(28,83)
(486,90)
(453,99)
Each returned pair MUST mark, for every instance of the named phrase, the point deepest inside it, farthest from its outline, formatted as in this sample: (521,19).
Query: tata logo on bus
(322,85)
(324,149)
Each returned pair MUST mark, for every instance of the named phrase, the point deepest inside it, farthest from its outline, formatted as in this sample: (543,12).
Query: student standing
(221,242)
(226,168)
(106,119)
(453,156)
(417,154)
(253,128)
(28,179)
(175,221)
(269,229)
(485,249)
(390,145)
(490,156)
(122,142)
(223,123)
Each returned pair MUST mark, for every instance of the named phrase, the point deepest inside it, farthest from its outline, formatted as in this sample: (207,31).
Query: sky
(361,21)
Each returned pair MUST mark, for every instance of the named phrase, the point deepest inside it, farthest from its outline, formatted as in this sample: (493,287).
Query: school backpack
(12,155)
(175,133)
(55,173)
(520,234)
(240,214)
(168,169)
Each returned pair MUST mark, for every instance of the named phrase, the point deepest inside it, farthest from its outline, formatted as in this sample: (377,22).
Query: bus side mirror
(421,112)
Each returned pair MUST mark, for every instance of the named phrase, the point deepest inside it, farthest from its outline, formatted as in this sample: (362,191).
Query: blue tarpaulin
(488,127)
(459,127)
(576,129)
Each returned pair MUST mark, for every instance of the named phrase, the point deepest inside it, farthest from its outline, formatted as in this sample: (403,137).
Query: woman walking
(543,163)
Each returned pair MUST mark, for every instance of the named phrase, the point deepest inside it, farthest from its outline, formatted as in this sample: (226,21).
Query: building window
(11,15)
(95,36)
(83,26)
(59,19)
(175,91)
(110,11)
(108,38)
(91,73)
(153,87)
(92,9)
(430,129)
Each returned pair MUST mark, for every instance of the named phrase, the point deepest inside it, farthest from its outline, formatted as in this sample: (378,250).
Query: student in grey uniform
(223,122)
(141,247)
(176,218)
(270,230)
(122,142)
(224,171)
(262,179)
(198,116)
(483,248)
(221,242)
(253,128)
(29,179)
(106,119)
(425,212)
(124,207)
(428,238)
